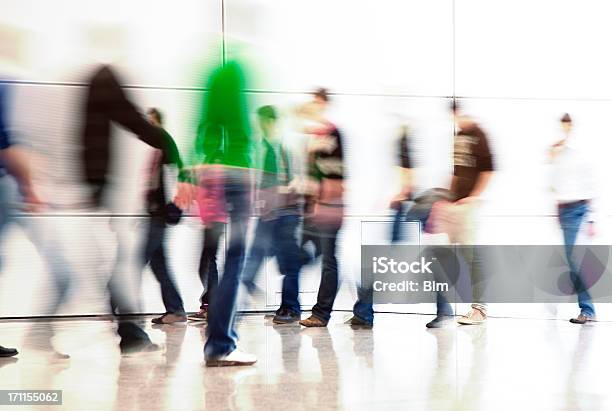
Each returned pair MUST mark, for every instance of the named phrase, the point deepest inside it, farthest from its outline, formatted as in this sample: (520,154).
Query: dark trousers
(155,256)
(209,274)
(310,235)
(277,237)
(221,332)
(327,237)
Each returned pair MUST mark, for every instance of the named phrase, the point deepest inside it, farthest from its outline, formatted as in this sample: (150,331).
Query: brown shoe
(169,318)
(313,321)
(582,319)
(200,316)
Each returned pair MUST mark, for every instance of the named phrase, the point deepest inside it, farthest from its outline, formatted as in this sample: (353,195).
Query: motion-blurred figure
(398,202)
(212,209)
(473,168)
(574,189)
(325,206)
(13,161)
(363,311)
(223,148)
(162,213)
(107,104)
(279,210)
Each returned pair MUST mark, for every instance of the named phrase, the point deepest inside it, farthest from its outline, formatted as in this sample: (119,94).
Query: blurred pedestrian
(279,211)
(574,189)
(325,208)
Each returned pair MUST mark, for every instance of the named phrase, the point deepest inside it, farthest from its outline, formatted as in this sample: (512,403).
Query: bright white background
(516,65)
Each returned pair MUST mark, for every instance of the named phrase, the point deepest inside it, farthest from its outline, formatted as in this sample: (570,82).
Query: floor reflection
(506,365)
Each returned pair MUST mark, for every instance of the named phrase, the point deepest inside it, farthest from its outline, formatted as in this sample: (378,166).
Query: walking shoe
(8,352)
(235,358)
(137,345)
(285,316)
(440,321)
(313,321)
(358,322)
(473,317)
(169,318)
(201,315)
(582,319)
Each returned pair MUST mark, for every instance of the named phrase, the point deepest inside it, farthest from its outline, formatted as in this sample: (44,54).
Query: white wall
(517,65)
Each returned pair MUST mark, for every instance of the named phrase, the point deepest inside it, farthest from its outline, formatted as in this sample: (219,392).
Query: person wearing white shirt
(573,187)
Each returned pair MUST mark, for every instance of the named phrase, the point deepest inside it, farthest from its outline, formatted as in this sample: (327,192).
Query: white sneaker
(235,358)
(474,317)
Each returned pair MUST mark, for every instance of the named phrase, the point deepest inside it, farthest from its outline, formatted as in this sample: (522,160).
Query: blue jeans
(155,256)
(278,238)
(209,275)
(4,210)
(363,308)
(571,218)
(221,331)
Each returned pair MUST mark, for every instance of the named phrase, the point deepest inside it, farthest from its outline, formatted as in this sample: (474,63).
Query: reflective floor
(509,364)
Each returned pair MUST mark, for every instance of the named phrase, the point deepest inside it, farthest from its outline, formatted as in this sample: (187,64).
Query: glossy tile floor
(509,364)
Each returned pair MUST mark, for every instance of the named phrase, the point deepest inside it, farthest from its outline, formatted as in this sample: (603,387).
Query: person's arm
(481,183)
(592,186)
(405,187)
(405,170)
(485,166)
(171,155)
(16,162)
(122,111)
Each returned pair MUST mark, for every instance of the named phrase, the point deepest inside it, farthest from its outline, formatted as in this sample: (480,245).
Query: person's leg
(170,295)
(124,300)
(329,276)
(399,217)
(363,308)
(257,252)
(221,336)
(4,210)
(4,218)
(287,253)
(435,220)
(571,219)
(446,271)
(209,273)
(460,221)
(125,285)
(310,235)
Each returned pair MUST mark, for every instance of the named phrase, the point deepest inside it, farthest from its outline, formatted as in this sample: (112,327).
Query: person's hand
(467,200)
(437,220)
(591,229)
(321,144)
(185,194)
(295,185)
(397,200)
(32,203)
